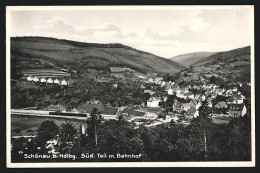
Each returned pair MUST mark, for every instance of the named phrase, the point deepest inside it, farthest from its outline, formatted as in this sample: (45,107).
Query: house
(209,103)
(197,103)
(221,104)
(64,82)
(177,106)
(56,81)
(219,91)
(109,112)
(153,102)
(180,95)
(149,92)
(150,116)
(158,79)
(236,110)
(43,80)
(185,90)
(132,114)
(176,90)
(74,110)
(36,79)
(115,85)
(49,81)
(189,105)
(150,80)
(167,88)
(234,89)
(202,97)
(188,95)
(58,107)
(230,100)
(238,100)
(191,110)
(142,86)
(196,114)
(29,78)
(170,91)
(208,93)
(213,95)
(197,96)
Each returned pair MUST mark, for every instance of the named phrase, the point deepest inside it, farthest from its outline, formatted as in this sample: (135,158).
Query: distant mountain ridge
(91,55)
(223,56)
(190,58)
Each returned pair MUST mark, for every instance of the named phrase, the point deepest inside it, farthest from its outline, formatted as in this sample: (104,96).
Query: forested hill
(90,55)
(188,59)
(224,56)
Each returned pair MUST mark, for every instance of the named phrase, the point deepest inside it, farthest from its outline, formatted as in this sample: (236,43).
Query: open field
(221,120)
(27,125)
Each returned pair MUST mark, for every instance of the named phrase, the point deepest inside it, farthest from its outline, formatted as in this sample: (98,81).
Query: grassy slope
(188,59)
(92,55)
(223,56)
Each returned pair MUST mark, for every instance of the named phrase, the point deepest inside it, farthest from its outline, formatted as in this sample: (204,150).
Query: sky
(163,31)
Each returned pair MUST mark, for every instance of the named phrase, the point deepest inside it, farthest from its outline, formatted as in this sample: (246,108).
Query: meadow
(28,125)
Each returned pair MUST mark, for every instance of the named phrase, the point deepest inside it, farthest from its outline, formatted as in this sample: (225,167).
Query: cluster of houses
(234,103)
(47,76)
(62,82)
(159,81)
(107,112)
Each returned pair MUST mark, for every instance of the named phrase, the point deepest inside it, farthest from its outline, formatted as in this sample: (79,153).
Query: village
(177,104)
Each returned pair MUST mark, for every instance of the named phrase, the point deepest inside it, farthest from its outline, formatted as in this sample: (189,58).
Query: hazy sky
(165,32)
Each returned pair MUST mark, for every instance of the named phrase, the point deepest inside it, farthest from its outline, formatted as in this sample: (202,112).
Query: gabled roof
(109,111)
(55,108)
(230,100)
(221,104)
(188,105)
(213,94)
(133,112)
(187,94)
(236,107)
(149,91)
(154,99)
(195,101)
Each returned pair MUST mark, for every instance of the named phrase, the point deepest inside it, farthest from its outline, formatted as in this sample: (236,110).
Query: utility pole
(205,145)
(96,133)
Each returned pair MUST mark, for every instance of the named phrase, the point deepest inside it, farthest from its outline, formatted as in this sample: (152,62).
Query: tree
(47,131)
(213,80)
(68,131)
(201,125)
(94,121)
(67,137)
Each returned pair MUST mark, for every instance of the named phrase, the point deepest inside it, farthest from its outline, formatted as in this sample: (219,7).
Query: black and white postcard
(130,86)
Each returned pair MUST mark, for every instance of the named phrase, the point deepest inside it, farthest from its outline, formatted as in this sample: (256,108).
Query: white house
(43,80)
(29,78)
(50,80)
(150,115)
(153,102)
(170,92)
(150,80)
(236,110)
(163,84)
(180,95)
(196,114)
(35,79)
(64,82)
(57,81)
(238,100)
